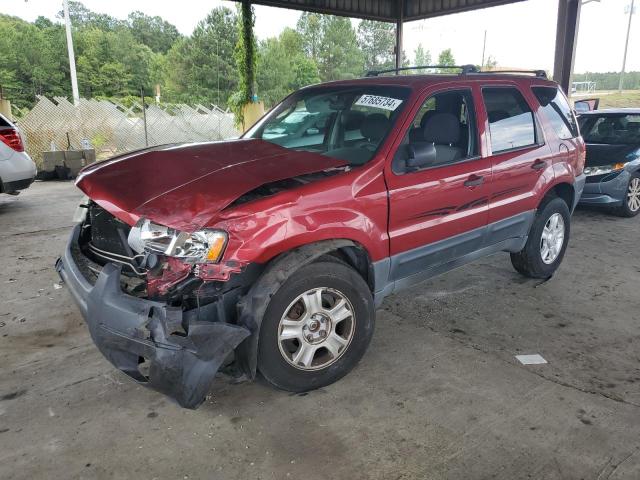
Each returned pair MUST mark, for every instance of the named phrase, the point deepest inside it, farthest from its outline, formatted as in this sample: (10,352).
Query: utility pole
(626,46)
(72,57)
(484,47)
(399,34)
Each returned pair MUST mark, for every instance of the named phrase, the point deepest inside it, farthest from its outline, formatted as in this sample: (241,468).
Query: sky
(520,35)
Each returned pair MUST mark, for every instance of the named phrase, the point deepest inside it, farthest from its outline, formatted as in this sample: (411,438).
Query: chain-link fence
(112,128)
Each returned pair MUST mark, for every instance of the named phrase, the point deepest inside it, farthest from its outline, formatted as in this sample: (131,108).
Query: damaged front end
(149,314)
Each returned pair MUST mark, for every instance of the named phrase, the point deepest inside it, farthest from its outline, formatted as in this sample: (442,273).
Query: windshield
(348,123)
(614,129)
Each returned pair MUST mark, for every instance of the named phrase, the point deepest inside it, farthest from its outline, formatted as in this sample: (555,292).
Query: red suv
(270,253)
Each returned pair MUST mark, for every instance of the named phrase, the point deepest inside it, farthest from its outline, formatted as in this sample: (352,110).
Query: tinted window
(511,121)
(349,123)
(557,110)
(446,120)
(611,128)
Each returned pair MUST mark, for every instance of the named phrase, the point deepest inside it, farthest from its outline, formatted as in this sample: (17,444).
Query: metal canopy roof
(385,10)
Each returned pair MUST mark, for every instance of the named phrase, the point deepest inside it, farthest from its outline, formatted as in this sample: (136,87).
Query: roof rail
(537,73)
(465,69)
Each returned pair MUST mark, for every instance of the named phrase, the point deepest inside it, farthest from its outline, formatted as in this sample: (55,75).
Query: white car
(17,170)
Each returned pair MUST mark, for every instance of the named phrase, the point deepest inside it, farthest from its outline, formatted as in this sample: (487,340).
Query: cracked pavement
(439,395)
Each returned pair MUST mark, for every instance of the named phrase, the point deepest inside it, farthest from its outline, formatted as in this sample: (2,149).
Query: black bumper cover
(128,329)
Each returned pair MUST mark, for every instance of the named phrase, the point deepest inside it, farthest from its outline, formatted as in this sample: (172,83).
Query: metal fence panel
(112,128)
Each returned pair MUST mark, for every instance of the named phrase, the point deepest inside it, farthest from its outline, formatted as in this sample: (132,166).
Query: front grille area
(107,232)
(104,240)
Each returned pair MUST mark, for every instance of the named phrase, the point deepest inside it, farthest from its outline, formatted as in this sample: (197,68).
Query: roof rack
(537,73)
(465,69)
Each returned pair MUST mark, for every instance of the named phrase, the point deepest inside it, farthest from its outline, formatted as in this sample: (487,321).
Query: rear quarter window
(557,110)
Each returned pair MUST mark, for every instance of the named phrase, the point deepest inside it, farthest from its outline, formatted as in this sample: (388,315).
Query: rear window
(557,110)
(4,123)
(619,129)
(511,121)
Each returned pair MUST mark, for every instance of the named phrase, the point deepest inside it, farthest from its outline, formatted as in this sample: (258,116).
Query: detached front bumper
(131,332)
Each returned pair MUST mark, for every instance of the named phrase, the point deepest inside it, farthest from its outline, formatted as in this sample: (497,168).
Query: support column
(399,28)
(566,41)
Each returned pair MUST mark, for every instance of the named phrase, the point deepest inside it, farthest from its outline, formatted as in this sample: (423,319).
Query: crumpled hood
(186,186)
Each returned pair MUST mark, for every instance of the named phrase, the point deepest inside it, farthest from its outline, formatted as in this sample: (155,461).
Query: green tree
(29,64)
(111,56)
(446,58)
(340,57)
(377,42)
(331,42)
(310,27)
(111,63)
(421,56)
(154,32)
(81,16)
(201,67)
(283,66)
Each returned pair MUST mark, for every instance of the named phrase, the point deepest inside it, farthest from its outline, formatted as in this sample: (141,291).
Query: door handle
(474,181)
(539,165)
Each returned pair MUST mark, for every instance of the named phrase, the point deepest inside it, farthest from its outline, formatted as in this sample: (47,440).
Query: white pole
(484,47)
(626,45)
(72,57)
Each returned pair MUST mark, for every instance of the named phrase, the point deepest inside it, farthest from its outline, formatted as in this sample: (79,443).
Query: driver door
(439,213)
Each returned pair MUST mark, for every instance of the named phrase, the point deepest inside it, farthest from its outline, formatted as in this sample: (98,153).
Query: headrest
(605,128)
(442,128)
(352,119)
(427,115)
(374,126)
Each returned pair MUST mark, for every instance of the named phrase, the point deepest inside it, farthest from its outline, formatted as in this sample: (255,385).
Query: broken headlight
(202,246)
(603,169)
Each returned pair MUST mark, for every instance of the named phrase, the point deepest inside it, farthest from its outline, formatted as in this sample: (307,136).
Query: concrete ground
(438,395)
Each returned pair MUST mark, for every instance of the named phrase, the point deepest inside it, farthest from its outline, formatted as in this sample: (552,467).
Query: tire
(631,204)
(529,261)
(283,360)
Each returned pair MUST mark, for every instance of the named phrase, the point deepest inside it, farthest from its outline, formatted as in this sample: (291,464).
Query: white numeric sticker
(385,103)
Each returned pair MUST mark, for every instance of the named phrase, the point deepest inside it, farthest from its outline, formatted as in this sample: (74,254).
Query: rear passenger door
(438,213)
(520,159)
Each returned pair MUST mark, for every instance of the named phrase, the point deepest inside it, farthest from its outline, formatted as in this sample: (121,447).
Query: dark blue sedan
(613,159)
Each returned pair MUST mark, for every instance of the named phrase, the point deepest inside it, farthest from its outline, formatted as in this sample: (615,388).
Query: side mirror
(421,155)
(586,105)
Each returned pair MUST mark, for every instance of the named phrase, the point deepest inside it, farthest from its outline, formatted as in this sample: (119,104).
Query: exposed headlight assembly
(603,169)
(203,246)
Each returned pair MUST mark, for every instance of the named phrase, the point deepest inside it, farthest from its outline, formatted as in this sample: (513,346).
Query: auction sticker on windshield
(385,103)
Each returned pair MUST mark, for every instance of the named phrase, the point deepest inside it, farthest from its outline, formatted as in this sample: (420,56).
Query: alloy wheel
(633,195)
(552,238)
(316,329)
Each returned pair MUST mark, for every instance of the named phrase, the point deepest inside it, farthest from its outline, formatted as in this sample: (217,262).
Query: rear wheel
(631,204)
(547,241)
(316,328)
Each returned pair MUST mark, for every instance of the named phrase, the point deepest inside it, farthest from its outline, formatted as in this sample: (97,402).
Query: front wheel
(316,328)
(631,204)
(547,241)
